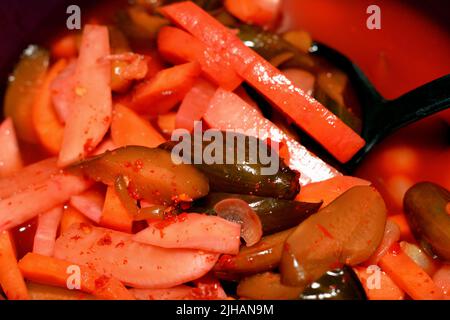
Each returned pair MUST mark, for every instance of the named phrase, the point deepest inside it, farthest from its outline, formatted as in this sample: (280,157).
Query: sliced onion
(238,211)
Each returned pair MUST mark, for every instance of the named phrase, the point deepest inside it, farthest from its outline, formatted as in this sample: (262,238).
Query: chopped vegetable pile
(110,207)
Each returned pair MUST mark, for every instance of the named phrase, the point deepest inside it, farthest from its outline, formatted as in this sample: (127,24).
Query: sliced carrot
(166,122)
(89,203)
(135,264)
(72,216)
(260,12)
(55,272)
(39,197)
(409,276)
(227,110)
(194,104)
(47,126)
(65,47)
(386,288)
(11,279)
(320,123)
(44,239)
(10,159)
(160,94)
(178,46)
(129,129)
(405,230)
(114,215)
(330,189)
(92,106)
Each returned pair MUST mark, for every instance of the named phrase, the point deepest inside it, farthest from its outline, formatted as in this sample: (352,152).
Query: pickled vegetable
(426,206)
(275,214)
(244,176)
(23,85)
(151,173)
(263,256)
(347,231)
(270,45)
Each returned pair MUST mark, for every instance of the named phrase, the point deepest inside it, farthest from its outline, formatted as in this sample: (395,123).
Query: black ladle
(381,117)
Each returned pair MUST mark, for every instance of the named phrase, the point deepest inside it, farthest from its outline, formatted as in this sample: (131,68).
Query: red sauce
(24,237)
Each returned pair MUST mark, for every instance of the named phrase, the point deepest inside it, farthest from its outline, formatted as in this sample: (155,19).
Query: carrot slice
(320,123)
(44,239)
(72,216)
(55,272)
(47,126)
(178,46)
(260,12)
(193,231)
(89,203)
(10,159)
(129,129)
(160,94)
(387,289)
(11,279)
(227,110)
(194,104)
(328,190)
(92,106)
(409,276)
(135,264)
(39,197)
(114,215)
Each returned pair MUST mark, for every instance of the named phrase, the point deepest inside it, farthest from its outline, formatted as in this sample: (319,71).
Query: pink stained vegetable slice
(92,104)
(193,231)
(45,237)
(89,203)
(135,264)
(39,197)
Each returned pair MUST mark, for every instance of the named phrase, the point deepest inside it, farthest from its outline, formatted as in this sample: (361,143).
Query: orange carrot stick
(51,271)
(387,289)
(115,215)
(409,276)
(11,279)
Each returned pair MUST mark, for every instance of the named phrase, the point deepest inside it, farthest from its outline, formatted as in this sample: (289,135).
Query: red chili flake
(101,281)
(105,240)
(226,261)
(325,231)
(138,165)
(88,146)
(127,164)
(125,261)
(287,247)
(77,237)
(133,192)
(107,119)
(170,220)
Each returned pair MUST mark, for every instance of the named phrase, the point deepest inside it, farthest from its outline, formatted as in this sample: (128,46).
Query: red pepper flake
(101,281)
(170,220)
(88,146)
(76,237)
(325,231)
(125,261)
(133,192)
(138,165)
(226,262)
(105,240)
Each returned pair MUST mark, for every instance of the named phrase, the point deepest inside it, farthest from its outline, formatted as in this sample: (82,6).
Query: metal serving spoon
(381,117)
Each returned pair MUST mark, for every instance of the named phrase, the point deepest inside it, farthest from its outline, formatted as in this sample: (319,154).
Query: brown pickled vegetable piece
(151,174)
(267,286)
(263,256)
(23,85)
(426,206)
(347,231)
